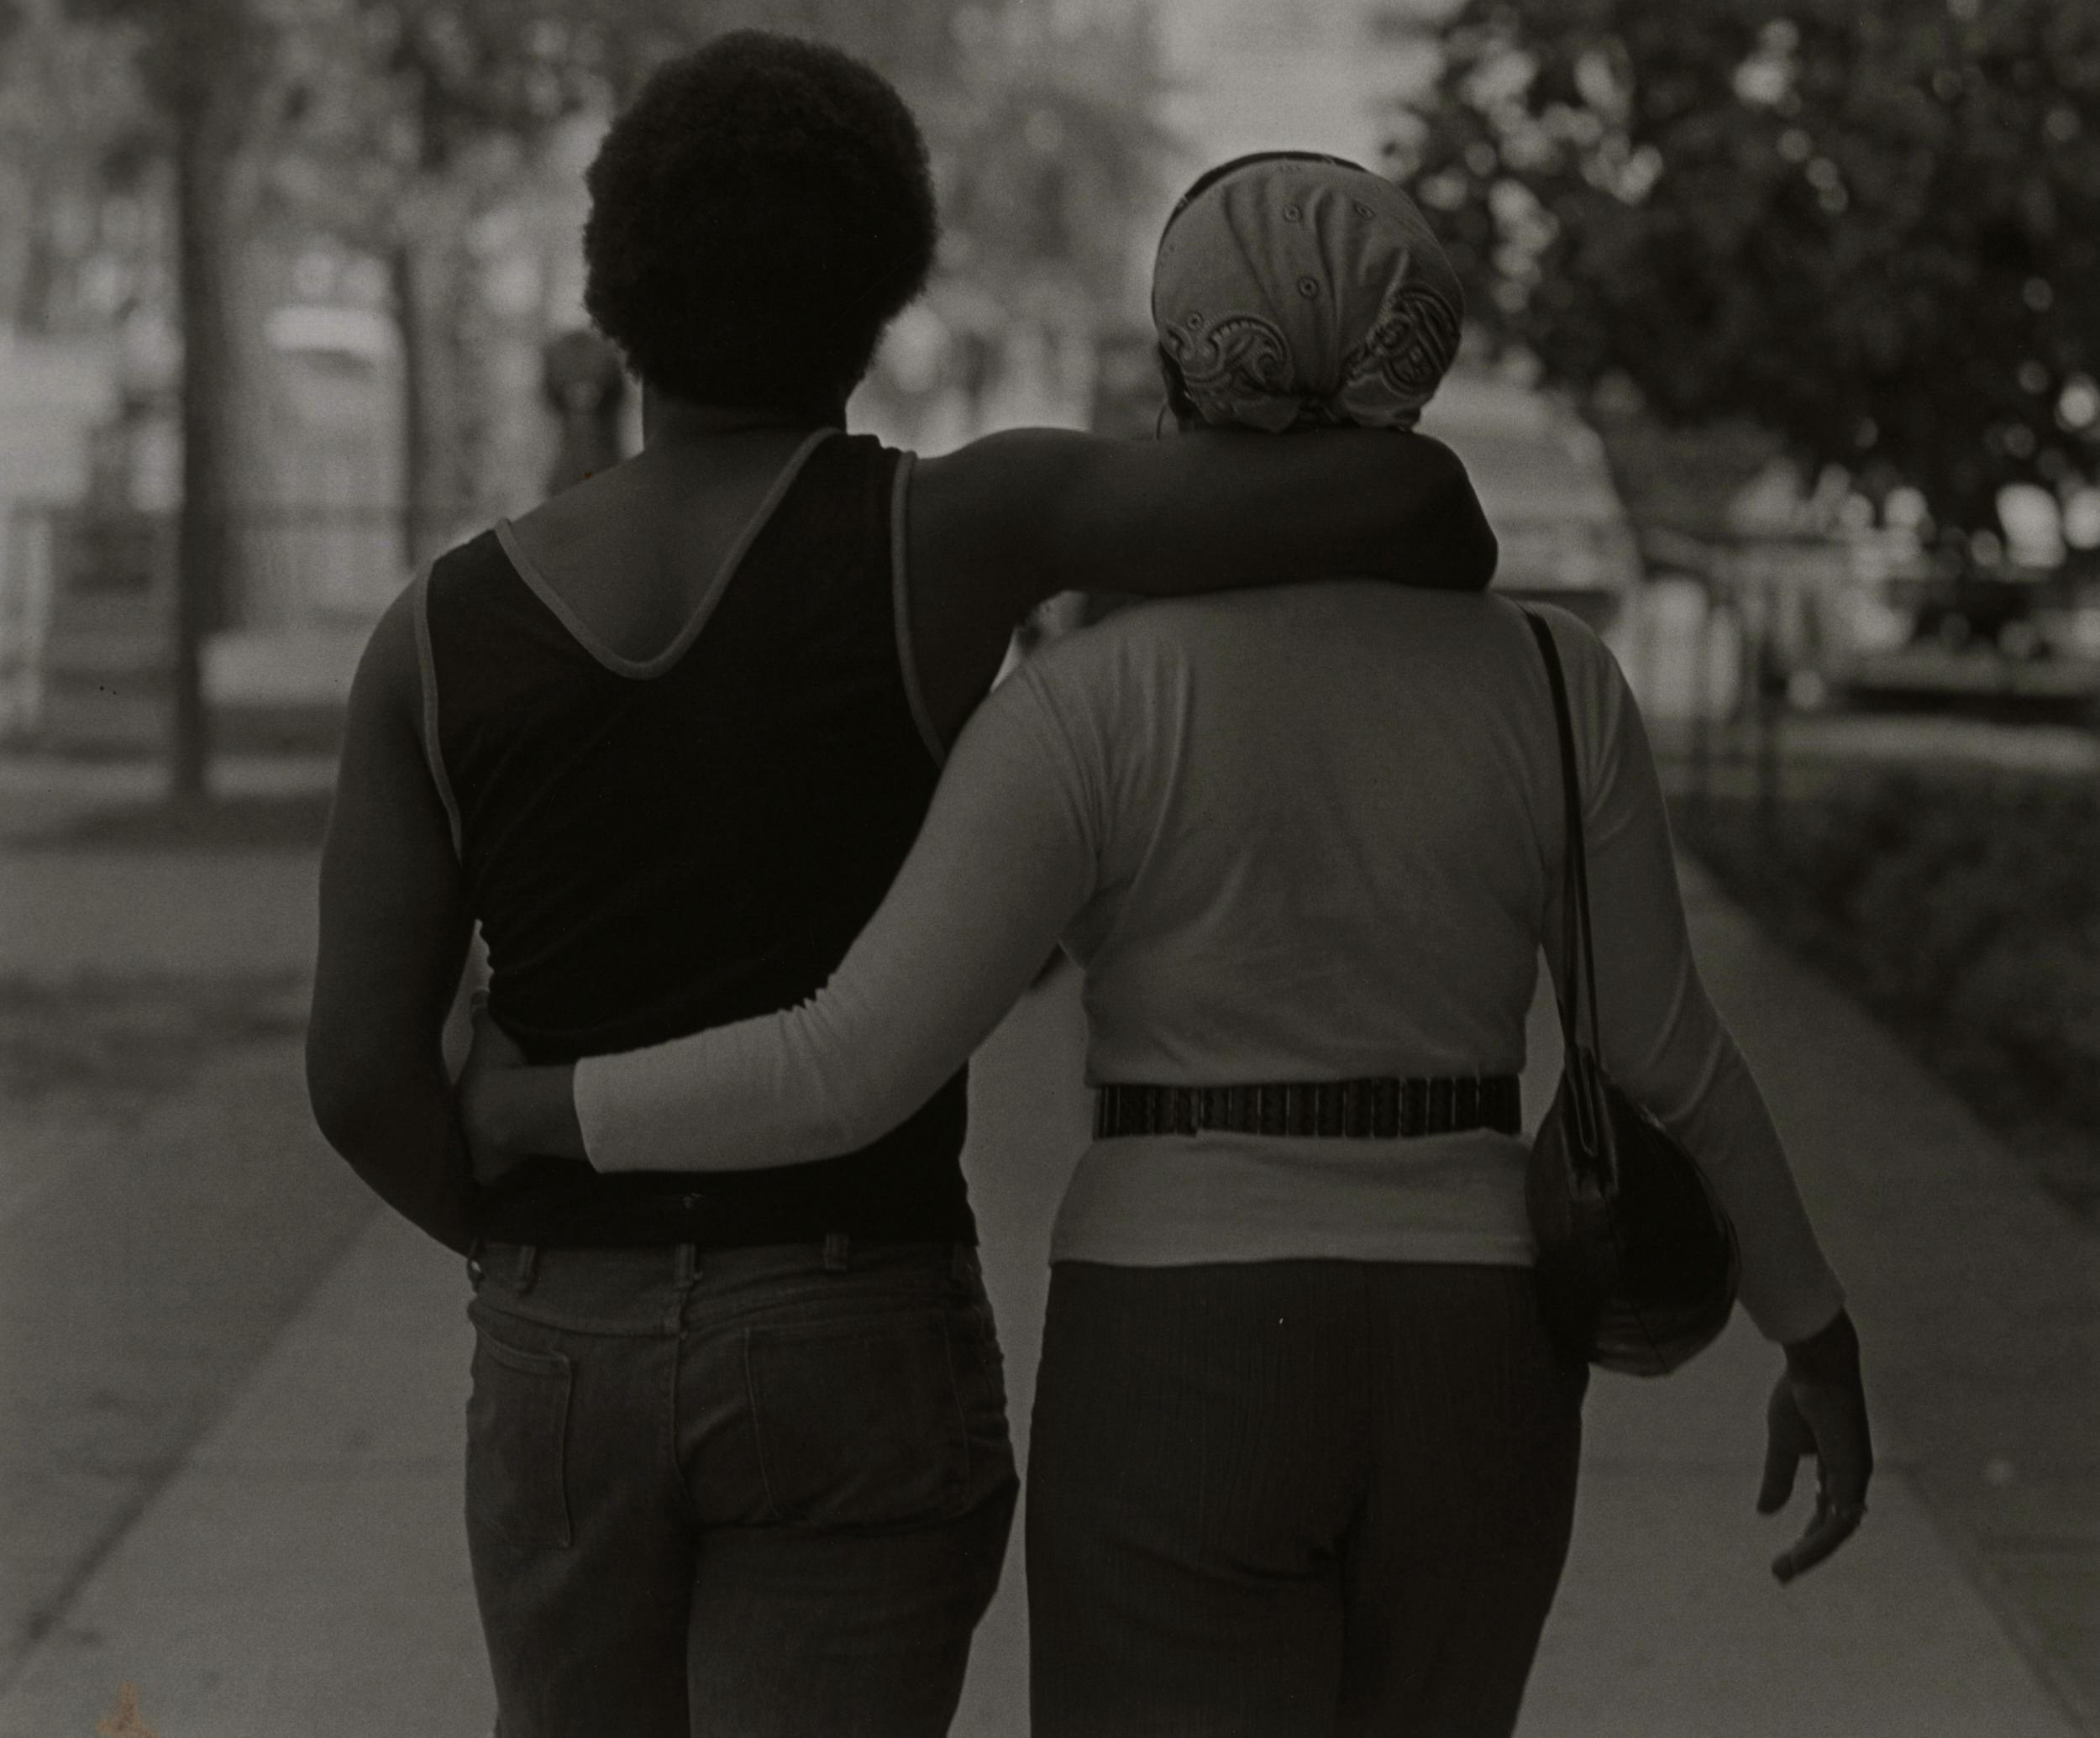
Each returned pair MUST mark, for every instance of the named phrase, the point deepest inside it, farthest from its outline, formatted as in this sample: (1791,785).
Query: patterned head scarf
(1293,289)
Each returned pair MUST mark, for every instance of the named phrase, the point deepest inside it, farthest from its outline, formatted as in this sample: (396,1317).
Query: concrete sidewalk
(74,909)
(304,1573)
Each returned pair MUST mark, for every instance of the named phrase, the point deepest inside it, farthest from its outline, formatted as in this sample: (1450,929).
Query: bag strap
(1578,967)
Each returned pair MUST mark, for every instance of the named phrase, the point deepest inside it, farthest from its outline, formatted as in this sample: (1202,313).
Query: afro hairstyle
(760,212)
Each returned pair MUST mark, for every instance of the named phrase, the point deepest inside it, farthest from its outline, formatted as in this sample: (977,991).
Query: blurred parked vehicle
(2015,641)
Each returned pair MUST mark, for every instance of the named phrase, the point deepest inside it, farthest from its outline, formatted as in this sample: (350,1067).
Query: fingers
(493,1047)
(1828,1420)
(1846,1465)
(1835,1413)
(1787,1440)
(1833,1524)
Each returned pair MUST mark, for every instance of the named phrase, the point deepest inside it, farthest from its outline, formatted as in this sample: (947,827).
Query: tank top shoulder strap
(901,607)
(427,668)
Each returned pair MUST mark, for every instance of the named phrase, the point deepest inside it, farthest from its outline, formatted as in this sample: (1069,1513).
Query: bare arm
(998,526)
(394,936)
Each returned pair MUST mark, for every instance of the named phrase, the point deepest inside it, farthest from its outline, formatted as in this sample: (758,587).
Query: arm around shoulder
(1004,861)
(1207,510)
(1007,521)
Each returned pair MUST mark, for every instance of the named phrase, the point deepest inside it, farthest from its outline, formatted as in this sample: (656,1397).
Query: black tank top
(654,848)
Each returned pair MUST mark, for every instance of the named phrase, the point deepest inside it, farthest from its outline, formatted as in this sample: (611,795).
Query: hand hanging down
(1818,1407)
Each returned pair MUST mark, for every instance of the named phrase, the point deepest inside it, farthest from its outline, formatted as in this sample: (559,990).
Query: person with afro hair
(737,1457)
(758,217)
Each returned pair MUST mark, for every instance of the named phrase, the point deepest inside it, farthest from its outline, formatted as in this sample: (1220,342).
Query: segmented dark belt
(1355,1110)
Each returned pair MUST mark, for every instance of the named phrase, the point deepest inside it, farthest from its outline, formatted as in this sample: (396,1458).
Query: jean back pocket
(859,1422)
(517,1427)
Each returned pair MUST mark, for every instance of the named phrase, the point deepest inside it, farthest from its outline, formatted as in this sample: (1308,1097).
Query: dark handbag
(1638,1263)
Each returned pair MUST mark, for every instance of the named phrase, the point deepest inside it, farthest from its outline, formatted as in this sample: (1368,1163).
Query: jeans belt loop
(527,1266)
(838,1248)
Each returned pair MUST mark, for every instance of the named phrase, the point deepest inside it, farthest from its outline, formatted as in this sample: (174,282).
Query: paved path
(42,793)
(152,1249)
(298,1566)
(73,909)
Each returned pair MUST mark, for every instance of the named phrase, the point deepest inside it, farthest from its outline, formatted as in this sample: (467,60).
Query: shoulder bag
(1638,1263)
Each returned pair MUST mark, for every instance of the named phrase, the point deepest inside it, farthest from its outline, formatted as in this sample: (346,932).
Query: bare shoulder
(991,501)
(982,548)
(999,470)
(389,678)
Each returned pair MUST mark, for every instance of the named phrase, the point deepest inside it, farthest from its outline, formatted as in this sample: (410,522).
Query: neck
(667,421)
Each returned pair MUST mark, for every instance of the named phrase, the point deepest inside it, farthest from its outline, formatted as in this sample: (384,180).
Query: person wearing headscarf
(1303,1457)
(1299,292)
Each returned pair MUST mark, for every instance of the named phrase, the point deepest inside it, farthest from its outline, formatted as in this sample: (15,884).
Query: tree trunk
(30,267)
(426,268)
(414,430)
(202,165)
(26,264)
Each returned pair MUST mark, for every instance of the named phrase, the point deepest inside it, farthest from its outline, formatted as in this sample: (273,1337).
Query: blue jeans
(751,1491)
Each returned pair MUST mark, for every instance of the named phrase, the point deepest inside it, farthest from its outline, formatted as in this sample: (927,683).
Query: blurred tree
(414,116)
(1049,149)
(394,123)
(200,64)
(405,121)
(73,159)
(1871,228)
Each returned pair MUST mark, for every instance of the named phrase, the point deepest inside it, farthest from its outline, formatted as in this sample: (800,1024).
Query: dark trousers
(750,1492)
(1295,1498)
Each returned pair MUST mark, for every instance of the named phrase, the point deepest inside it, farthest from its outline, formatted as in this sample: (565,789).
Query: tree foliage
(1047,151)
(73,145)
(391,124)
(1870,227)
(410,117)
(404,121)
(199,61)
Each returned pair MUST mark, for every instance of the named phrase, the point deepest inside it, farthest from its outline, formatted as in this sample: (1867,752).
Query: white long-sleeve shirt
(1291,835)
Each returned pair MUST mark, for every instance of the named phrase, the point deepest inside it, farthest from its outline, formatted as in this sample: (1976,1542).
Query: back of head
(1294,289)
(758,214)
